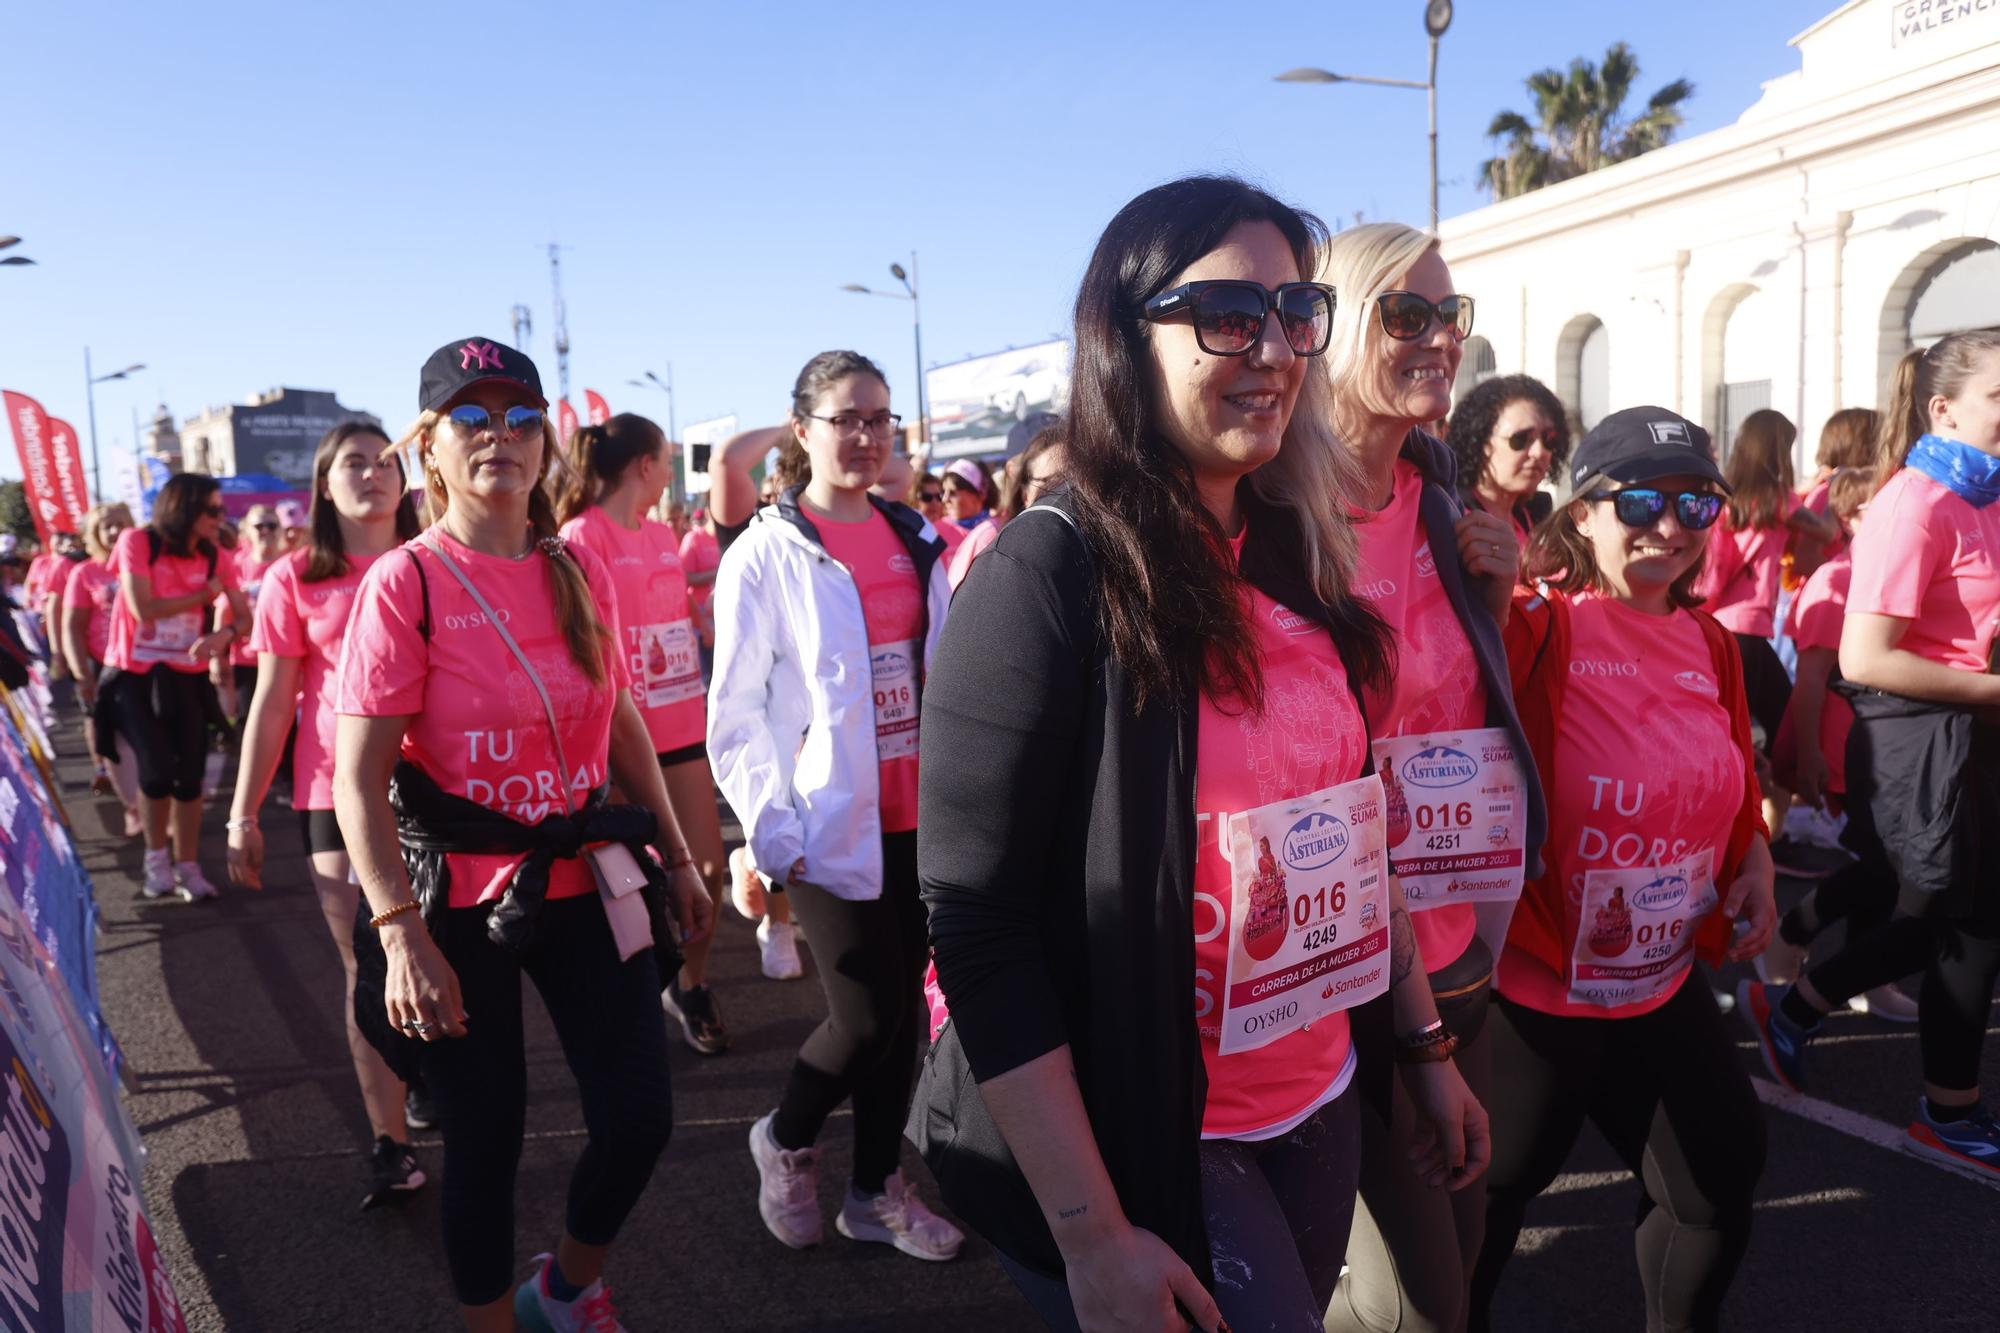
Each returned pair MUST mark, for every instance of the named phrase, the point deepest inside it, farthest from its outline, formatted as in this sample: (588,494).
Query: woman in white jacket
(826,613)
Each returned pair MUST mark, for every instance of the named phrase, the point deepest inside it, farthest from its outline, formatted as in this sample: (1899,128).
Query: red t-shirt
(701,553)
(93,584)
(250,572)
(1924,555)
(892,605)
(1437,685)
(1646,772)
(309,621)
(1817,615)
(476,723)
(662,650)
(141,647)
(1740,581)
(1308,737)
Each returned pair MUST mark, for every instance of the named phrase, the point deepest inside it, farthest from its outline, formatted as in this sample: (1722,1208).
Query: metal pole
(90,399)
(917,323)
(672,433)
(1432,88)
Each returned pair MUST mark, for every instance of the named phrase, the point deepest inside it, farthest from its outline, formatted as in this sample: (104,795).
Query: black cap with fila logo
(464,362)
(1642,444)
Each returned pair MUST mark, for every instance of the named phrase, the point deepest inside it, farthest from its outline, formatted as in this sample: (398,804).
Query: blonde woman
(88,597)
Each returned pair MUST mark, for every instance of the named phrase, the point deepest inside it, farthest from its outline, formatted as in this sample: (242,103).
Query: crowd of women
(1332,823)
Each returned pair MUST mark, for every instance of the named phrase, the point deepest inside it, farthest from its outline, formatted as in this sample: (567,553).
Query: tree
(14,515)
(1578,126)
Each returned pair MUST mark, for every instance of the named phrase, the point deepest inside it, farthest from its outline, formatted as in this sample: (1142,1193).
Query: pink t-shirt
(1437,685)
(141,647)
(892,604)
(662,650)
(93,584)
(969,550)
(1817,615)
(1310,736)
(701,553)
(476,723)
(42,572)
(1924,555)
(954,537)
(250,573)
(309,621)
(1740,581)
(1646,772)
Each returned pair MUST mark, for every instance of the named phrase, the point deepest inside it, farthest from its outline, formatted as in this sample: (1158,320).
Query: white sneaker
(898,1217)
(1886,1003)
(778,942)
(746,888)
(194,886)
(787,1188)
(159,874)
(537,1310)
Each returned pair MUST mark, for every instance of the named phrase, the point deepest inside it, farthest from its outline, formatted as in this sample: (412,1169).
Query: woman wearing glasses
(168,573)
(1508,435)
(827,611)
(484,713)
(1148,1103)
(1634,704)
(260,545)
(88,601)
(1440,575)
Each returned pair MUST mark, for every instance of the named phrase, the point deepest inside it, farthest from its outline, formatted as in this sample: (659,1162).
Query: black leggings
(1862,893)
(1766,685)
(163,715)
(870,958)
(614,1036)
(1669,1091)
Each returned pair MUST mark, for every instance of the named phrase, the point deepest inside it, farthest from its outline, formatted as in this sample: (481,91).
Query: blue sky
(248,195)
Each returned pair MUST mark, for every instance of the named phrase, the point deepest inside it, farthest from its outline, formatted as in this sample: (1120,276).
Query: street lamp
(1437,17)
(13,261)
(909,293)
(665,386)
(90,383)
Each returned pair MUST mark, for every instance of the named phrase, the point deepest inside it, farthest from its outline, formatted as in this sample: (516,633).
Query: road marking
(1858,1126)
(1907,1034)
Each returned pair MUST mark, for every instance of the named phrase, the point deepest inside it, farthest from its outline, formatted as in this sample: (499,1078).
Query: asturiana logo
(1439,766)
(1695,681)
(893,664)
(1667,891)
(902,564)
(1317,840)
(1291,622)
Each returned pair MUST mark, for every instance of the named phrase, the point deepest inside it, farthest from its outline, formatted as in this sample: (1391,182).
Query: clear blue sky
(247,195)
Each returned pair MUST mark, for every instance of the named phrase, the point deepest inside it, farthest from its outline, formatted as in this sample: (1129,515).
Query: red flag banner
(72,488)
(565,421)
(600,411)
(31,437)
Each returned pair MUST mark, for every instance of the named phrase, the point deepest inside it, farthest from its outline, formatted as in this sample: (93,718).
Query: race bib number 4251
(1457,814)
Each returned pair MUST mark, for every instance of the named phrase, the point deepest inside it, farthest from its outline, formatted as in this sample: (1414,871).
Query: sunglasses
(1407,317)
(265,527)
(1642,506)
(471,418)
(930,497)
(1229,316)
(1521,439)
(215,511)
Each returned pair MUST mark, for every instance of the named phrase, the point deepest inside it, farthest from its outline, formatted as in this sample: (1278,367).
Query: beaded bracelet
(382,918)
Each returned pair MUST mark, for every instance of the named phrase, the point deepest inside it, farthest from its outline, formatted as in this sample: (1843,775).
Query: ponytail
(599,456)
(1940,372)
(1905,421)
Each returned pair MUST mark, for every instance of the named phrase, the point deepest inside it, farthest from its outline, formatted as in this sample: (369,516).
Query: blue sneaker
(1973,1141)
(1780,1041)
(536,1311)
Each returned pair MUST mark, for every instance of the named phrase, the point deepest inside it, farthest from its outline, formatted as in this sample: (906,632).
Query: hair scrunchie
(552,546)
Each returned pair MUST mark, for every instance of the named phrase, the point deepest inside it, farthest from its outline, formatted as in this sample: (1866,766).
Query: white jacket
(792,661)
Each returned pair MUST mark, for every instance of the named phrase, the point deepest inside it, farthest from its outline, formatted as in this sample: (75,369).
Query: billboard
(974,403)
(697,442)
(279,434)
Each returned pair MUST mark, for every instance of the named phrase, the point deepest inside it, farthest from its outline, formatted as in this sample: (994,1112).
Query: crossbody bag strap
(534,677)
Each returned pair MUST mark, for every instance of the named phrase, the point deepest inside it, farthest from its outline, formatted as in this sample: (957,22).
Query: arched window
(1950,287)
(1478,366)
(1583,370)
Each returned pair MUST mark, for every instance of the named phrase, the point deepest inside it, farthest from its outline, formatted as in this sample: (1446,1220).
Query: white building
(1788,260)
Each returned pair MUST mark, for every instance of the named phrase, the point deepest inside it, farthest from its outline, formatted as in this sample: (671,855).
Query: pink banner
(600,411)
(72,487)
(565,421)
(31,437)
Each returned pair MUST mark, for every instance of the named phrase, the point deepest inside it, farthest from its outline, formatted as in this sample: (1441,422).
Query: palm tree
(1578,126)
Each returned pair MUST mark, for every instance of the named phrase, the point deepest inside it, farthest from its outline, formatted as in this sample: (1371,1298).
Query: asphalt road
(229,1014)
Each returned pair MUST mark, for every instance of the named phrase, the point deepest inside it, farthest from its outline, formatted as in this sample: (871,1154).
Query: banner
(31,437)
(72,488)
(975,403)
(565,421)
(600,411)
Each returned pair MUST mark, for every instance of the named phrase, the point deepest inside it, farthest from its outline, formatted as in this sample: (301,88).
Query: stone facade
(273,433)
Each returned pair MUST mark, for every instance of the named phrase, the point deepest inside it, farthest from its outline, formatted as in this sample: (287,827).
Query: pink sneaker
(539,1312)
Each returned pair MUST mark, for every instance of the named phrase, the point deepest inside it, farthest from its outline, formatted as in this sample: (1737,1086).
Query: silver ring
(409,1025)
(424,1029)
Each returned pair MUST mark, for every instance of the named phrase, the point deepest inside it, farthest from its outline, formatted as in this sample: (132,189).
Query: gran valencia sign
(1927,20)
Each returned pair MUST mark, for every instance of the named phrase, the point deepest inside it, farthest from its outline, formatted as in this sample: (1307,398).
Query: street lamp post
(90,383)
(665,386)
(909,293)
(1437,17)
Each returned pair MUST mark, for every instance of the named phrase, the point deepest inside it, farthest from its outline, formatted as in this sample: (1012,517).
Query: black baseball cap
(463,362)
(1642,444)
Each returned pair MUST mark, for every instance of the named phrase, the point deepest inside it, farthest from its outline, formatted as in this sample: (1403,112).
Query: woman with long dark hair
(169,572)
(361,510)
(1149,1105)
(618,472)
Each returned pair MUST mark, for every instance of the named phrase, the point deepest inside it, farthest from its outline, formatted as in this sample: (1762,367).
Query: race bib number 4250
(1635,934)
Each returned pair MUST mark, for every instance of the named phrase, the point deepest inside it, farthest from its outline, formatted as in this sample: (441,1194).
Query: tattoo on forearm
(1068,1214)
(1402,945)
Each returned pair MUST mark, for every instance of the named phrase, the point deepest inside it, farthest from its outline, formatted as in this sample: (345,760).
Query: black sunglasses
(1407,317)
(1521,439)
(265,527)
(930,497)
(471,418)
(1229,315)
(215,511)
(1641,507)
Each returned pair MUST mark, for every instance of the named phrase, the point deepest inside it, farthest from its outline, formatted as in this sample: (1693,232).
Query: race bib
(669,667)
(895,669)
(1457,814)
(1636,935)
(1309,920)
(167,639)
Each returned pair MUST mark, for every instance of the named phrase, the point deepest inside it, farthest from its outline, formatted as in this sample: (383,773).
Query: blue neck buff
(1971,474)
